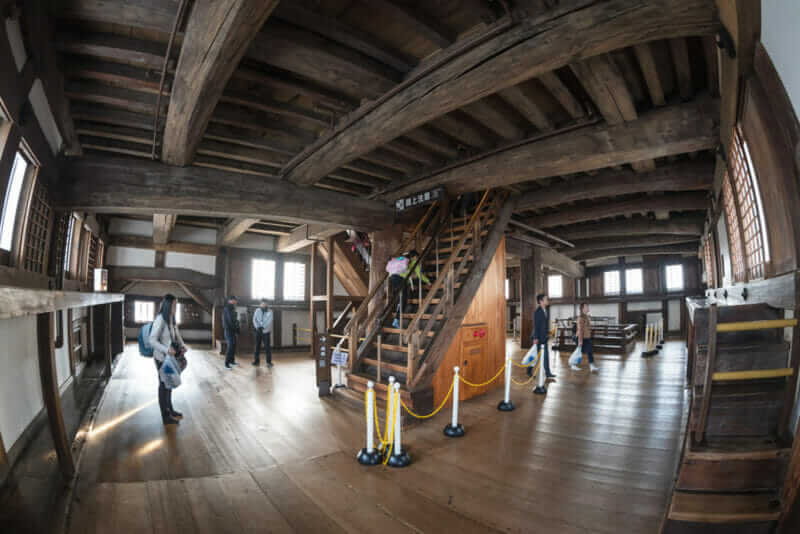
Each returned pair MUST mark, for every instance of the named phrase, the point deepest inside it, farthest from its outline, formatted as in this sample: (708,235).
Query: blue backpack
(145,349)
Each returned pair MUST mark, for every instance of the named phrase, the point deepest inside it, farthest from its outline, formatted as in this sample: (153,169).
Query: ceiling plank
(127,185)
(683,176)
(417,22)
(491,113)
(163,225)
(521,99)
(662,132)
(676,202)
(682,225)
(659,250)
(116,48)
(233,230)
(155,15)
(562,94)
(647,62)
(462,127)
(563,35)
(164,274)
(680,58)
(217,35)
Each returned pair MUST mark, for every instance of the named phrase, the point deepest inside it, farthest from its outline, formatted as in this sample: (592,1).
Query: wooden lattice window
(60,232)
(37,233)
(708,260)
(94,258)
(734,235)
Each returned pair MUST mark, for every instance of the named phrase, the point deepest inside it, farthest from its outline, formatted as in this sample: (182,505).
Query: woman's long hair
(166,308)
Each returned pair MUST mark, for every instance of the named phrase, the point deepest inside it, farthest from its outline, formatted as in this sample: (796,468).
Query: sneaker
(228,367)
(256,363)
(170,420)
(269,364)
(234,363)
(176,415)
(575,368)
(593,368)
(550,376)
(395,324)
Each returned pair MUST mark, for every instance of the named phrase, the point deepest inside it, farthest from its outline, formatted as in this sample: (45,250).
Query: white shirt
(263,319)
(162,336)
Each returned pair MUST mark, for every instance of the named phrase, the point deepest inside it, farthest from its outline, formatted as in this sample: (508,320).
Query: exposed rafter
(233,230)
(683,248)
(692,226)
(163,225)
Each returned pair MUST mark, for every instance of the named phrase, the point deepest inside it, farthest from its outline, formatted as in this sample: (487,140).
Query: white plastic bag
(531,358)
(576,357)
(170,372)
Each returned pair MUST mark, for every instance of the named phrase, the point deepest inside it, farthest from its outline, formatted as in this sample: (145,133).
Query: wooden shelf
(21,302)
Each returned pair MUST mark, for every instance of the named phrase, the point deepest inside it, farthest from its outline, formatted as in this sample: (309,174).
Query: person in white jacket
(262,324)
(163,334)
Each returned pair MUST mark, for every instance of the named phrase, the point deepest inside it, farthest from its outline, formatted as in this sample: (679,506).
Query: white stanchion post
(506,405)
(649,340)
(660,333)
(389,390)
(453,429)
(399,457)
(540,388)
(368,455)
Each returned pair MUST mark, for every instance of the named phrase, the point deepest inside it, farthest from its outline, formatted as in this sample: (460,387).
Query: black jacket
(540,326)
(230,320)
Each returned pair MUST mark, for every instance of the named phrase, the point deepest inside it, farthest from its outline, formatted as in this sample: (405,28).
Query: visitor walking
(585,337)
(230,325)
(262,322)
(541,333)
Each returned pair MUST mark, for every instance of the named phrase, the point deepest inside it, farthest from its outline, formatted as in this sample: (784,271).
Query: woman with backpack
(400,272)
(165,339)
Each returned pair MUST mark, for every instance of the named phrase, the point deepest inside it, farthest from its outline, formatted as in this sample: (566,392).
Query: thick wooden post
(52,400)
(329,284)
(108,354)
(384,244)
(312,324)
(529,286)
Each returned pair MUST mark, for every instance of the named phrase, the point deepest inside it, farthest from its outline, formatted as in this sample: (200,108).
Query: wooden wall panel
(488,308)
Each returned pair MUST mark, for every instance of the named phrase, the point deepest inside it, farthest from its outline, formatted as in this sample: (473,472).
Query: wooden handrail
(745,326)
(711,362)
(365,304)
(450,261)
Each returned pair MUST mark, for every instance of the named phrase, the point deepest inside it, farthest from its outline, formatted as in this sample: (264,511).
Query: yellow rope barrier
(433,412)
(534,374)
(484,383)
(390,436)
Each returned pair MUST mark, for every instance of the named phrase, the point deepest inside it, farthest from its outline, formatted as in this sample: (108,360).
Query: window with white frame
(674,277)
(178,313)
(144,311)
(294,280)
(263,280)
(555,286)
(634,283)
(611,283)
(68,244)
(506,288)
(11,202)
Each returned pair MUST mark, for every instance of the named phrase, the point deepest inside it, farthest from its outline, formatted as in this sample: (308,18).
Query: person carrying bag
(168,351)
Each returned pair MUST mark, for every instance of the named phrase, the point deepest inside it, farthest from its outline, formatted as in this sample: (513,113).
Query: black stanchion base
(660,346)
(648,353)
(399,460)
(454,432)
(369,458)
(540,390)
(504,406)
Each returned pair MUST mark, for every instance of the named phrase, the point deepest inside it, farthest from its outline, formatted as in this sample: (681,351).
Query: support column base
(540,390)
(454,431)
(648,353)
(401,459)
(504,406)
(368,458)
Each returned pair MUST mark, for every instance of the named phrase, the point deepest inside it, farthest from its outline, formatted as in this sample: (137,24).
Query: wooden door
(473,360)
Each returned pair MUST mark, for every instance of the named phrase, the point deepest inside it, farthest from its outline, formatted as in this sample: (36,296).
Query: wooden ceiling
(595,112)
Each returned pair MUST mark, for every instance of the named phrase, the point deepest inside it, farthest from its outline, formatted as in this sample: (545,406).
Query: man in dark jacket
(541,332)
(230,324)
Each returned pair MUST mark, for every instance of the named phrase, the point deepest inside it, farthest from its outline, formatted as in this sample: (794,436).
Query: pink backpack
(397,265)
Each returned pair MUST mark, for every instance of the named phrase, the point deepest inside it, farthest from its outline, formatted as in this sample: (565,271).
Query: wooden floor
(258,451)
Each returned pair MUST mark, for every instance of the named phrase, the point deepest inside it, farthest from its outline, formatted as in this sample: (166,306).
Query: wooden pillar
(3,462)
(277,328)
(329,284)
(52,400)
(385,243)
(70,346)
(312,324)
(107,352)
(530,284)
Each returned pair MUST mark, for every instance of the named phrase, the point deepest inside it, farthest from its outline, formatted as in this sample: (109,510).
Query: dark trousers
(164,394)
(587,349)
(265,338)
(399,284)
(546,356)
(230,353)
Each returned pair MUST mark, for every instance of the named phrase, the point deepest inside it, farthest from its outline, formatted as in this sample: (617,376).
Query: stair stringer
(423,378)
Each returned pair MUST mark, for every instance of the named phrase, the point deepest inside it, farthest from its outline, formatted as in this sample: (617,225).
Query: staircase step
(446,237)
(417,302)
(358,381)
(442,261)
(425,316)
(724,508)
(398,331)
(396,367)
(397,348)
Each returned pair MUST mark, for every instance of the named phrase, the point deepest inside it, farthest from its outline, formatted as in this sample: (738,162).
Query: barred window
(734,235)
(95,247)
(751,213)
(60,231)
(37,233)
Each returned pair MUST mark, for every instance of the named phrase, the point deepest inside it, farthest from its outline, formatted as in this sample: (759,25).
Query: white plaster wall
(604,310)
(647,305)
(192,234)
(562,311)
(20,385)
(674,309)
(724,251)
(130,227)
(196,262)
(130,257)
(290,317)
(780,20)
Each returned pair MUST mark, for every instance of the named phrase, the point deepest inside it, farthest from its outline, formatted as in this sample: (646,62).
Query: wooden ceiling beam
(611,244)
(680,58)
(314,57)
(345,35)
(233,230)
(372,169)
(241,153)
(521,99)
(433,140)
(163,226)
(137,241)
(662,132)
(647,62)
(417,22)
(164,274)
(562,94)
(682,225)
(464,128)
(119,133)
(690,201)
(261,101)
(126,185)
(156,15)
(281,135)
(114,117)
(114,48)
(659,250)
(683,176)
(263,140)
(561,36)
(491,113)
(217,34)
(116,74)
(114,97)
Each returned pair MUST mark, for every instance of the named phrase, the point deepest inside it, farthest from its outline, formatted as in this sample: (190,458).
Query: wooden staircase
(737,445)
(454,254)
